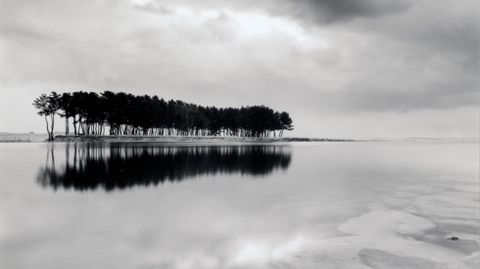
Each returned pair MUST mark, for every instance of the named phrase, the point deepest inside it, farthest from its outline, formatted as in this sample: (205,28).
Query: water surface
(298,205)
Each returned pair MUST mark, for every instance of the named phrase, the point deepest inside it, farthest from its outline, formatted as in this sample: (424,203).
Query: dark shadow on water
(122,166)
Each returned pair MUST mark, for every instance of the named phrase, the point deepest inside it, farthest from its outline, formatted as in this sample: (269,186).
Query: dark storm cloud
(446,29)
(308,11)
(331,11)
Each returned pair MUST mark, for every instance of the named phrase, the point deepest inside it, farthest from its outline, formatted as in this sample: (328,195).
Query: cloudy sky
(342,68)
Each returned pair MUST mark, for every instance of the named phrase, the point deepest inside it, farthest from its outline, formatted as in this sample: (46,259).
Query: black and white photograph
(240,134)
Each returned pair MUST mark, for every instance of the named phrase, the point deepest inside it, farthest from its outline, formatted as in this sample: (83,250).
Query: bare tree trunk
(74,124)
(52,117)
(48,130)
(67,131)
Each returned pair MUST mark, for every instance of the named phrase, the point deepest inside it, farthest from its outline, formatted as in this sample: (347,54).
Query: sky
(351,68)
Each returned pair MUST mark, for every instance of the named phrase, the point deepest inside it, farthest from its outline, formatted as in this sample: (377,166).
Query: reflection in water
(120,166)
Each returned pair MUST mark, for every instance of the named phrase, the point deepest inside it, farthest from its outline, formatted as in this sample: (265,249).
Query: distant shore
(189,139)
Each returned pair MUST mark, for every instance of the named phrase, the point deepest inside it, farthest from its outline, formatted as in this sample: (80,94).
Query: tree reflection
(120,166)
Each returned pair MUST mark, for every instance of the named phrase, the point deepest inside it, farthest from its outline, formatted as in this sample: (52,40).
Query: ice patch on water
(459,226)
(404,194)
(419,189)
(472,261)
(381,259)
(376,206)
(467,188)
(396,202)
(412,191)
(447,205)
(386,222)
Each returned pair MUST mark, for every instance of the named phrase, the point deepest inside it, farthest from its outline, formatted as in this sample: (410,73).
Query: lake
(295,205)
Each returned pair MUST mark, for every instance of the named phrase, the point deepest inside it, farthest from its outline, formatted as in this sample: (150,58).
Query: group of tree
(127,114)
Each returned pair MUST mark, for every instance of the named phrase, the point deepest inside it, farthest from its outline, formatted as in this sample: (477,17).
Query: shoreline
(42,138)
(189,139)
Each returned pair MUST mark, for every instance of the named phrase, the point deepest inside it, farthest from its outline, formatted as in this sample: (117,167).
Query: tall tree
(65,105)
(54,106)
(286,122)
(48,105)
(41,103)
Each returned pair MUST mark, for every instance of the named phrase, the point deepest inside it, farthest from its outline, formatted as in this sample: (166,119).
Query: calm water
(305,205)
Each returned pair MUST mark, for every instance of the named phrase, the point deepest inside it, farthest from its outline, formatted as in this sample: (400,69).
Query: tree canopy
(127,114)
